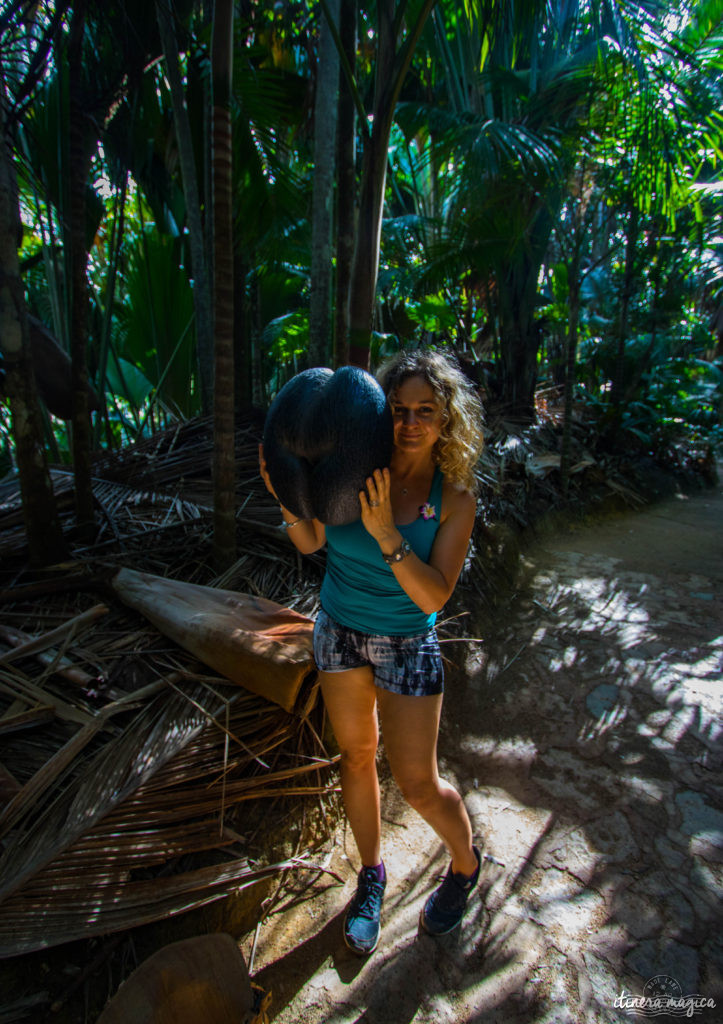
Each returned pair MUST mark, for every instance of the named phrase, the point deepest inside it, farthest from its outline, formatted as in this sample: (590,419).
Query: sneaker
(446,906)
(361,924)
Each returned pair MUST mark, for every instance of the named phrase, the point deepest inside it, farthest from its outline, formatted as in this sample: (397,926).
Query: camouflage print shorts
(409,665)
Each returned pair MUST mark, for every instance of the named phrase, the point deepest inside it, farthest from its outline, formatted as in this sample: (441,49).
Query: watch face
(402,551)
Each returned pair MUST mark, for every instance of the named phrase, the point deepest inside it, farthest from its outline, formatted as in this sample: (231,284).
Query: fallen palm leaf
(17,685)
(26,719)
(67,630)
(48,918)
(50,658)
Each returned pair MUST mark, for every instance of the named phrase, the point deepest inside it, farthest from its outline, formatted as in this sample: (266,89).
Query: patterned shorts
(409,665)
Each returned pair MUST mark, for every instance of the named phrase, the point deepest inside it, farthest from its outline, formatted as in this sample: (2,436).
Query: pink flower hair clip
(427,511)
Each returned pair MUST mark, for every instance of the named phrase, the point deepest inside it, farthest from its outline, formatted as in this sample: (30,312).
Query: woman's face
(417,414)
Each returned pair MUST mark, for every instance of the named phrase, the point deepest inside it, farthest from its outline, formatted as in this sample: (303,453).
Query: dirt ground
(584,732)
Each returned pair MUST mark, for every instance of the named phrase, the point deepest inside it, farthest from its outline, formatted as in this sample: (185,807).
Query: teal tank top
(360,590)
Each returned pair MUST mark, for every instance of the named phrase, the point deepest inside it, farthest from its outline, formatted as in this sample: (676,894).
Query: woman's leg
(350,699)
(410,726)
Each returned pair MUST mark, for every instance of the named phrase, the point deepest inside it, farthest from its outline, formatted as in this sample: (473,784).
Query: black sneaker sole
(429,931)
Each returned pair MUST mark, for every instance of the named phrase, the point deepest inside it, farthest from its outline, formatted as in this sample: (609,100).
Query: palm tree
(81,144)
(44,534)
(394,53)
(346,184)
(507,141)
(192,196)
(325,120)
(224,475)
(661,137)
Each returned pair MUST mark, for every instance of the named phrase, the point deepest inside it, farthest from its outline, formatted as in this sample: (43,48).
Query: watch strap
(401,552)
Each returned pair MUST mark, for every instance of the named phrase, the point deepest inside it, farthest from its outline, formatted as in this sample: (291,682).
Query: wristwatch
(396,556)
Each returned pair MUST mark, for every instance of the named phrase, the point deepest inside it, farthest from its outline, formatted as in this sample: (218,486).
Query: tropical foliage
(534,185)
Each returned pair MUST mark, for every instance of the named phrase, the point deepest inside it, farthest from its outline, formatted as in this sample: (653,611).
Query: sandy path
(586,737)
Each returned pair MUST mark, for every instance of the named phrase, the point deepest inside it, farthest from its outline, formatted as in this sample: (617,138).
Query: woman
(375,643)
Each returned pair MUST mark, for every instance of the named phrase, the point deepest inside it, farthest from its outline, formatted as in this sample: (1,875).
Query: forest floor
(582,726)
(584,732)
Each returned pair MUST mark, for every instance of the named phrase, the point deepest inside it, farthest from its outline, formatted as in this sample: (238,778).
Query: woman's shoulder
(457,499)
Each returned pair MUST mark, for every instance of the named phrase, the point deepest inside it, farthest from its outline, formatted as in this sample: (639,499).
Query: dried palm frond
(163,787)
(55,915)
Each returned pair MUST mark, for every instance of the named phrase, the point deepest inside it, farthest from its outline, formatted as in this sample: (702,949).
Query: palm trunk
(618,388)
(189,179)
(224,475)
(80,153)
(520,346)
(325,116)
(114,252)
(519,339)
(391,69)
(242,348)
(45,538)
(252,641)
(366,255)
(566,445)
(346,188)
(643,364)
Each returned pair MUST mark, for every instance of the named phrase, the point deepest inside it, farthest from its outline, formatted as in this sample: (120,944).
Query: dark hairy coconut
(325,433)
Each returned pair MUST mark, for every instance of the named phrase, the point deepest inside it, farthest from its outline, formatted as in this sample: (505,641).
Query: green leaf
(157,320)
(127,380)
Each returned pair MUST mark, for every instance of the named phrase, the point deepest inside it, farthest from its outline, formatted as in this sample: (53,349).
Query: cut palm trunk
(256,643)
(199,979)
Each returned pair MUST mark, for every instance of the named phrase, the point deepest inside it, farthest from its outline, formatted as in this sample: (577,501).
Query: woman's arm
(428,584)
(307,535)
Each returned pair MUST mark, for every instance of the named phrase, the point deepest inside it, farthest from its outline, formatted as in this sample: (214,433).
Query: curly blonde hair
(460,442)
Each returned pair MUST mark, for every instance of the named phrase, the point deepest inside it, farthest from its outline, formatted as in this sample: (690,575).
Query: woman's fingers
(376,505)
(382,479)
(378,487)
(372,492)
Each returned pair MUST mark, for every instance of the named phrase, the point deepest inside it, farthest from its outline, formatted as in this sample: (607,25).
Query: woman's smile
(416,413)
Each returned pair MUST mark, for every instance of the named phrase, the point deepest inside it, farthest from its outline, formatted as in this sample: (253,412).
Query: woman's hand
(376,507)
(265,473)
(306,535)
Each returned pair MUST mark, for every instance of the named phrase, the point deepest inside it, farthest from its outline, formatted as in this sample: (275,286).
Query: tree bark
(325,118)
(653,257)
(346,187)
(80,146)
(519,346)
(224,475)
(570,373)
(44,535)
(391,69)
(519,339)
(618,384)
(189,179)
(242,347)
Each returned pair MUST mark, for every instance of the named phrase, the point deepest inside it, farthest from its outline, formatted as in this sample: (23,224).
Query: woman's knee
(420,791)
(358,758)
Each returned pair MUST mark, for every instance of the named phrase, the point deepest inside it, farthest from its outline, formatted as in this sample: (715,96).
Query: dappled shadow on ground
(585,734)
(319,979)
(600,702)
